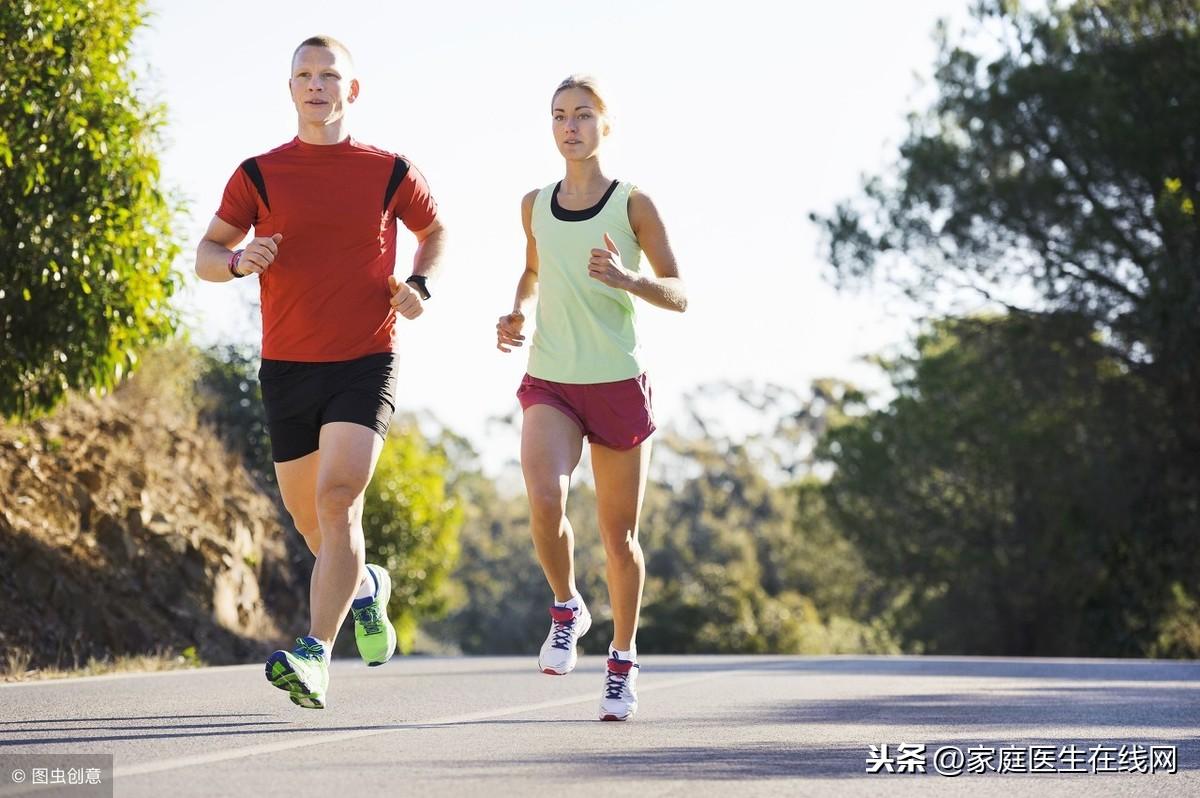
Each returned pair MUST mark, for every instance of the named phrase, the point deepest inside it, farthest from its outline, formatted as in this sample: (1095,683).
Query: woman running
(585,236)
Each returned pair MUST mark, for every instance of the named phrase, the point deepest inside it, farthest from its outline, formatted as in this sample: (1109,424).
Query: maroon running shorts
(613,414)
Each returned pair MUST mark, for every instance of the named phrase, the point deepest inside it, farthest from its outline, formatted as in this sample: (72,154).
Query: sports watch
(418,281)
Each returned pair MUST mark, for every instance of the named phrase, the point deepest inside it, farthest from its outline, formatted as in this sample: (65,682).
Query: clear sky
(737,118)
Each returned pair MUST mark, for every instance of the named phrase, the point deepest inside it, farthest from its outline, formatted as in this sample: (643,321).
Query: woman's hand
(508,331)
(605,266)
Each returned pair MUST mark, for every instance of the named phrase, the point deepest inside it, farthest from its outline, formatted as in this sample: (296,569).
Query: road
(484,727)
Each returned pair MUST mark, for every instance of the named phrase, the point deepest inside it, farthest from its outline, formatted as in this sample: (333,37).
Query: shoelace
(309,650)
(370,619)
(562,634)
(614,683)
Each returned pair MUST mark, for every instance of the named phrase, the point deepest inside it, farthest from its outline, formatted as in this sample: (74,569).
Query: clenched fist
(258,255)
(405,298)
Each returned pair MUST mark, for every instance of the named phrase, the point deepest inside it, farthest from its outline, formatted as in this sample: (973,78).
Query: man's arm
(216,248)
(431,246)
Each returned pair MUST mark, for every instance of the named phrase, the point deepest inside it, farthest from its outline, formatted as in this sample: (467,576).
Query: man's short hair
(327,42)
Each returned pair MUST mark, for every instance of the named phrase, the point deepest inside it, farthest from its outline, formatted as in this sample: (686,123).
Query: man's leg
(348,456)
(298,488)
(323,492)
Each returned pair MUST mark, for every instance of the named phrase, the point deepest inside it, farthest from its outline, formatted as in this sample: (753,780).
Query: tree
(1057,172)
(411,525)
(86,241)
(1067,161)
(735,563)
(1005,495)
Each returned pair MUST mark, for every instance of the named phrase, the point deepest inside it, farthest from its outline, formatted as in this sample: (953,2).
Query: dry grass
(16,667)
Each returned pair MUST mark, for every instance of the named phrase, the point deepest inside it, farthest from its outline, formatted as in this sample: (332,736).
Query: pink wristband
(234,260)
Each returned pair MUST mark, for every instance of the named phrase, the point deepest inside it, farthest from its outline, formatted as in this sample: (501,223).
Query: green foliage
(231,402)
(1007,497)
(1068,158)
(1179,628)
(412,524)
(1055,173)
(735,563)
(86,241)
(500,597)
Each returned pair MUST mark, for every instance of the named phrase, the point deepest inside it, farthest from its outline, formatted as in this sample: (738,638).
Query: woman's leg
(551,444)
(620,487)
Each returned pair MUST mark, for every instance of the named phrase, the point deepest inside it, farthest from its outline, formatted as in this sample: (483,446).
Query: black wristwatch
(418,282)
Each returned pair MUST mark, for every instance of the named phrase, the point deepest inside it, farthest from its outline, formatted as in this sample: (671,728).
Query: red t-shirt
(326,296)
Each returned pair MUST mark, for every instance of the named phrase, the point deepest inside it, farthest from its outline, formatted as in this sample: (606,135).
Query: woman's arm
(666,288)
(508,329)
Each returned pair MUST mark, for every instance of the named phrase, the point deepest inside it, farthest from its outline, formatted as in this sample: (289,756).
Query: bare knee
(547,503)
(304,518)
(621,547)
(337,504)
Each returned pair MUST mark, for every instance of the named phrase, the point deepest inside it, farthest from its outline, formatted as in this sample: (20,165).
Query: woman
(585,236)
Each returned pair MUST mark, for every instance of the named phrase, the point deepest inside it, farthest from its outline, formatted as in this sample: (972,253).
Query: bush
(87,244)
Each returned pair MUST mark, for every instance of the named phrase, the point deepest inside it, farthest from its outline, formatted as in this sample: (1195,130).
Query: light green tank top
(585,330)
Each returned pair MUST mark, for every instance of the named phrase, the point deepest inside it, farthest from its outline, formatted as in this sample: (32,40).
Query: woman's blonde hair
(586,82)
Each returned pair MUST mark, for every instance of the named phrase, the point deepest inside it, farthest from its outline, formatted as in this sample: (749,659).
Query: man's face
(321,85)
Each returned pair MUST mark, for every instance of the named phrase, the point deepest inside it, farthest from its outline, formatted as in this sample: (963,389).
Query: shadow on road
(966,667)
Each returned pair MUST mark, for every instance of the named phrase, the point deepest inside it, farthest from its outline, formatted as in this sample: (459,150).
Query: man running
(324,208)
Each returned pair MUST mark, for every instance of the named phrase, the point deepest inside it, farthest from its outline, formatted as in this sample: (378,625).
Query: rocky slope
(126,527)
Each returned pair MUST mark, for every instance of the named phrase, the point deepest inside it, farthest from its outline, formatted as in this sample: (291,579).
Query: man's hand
(405,298)
(508,331)
(605,266)
(259,254)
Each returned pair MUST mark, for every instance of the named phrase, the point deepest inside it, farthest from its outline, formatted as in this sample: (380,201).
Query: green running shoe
(374,633)
(302,671)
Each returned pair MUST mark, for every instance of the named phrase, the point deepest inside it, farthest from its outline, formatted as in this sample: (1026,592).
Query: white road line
(306,741)
(52,682)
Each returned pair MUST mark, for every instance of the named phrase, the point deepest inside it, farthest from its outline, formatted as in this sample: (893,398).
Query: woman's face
(579,127)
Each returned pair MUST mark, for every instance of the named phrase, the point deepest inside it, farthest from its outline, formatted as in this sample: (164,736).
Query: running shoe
(303,672)
(373,632)
(620,690)
(558,656)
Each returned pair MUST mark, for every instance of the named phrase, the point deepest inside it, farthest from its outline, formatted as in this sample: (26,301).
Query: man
(324,210)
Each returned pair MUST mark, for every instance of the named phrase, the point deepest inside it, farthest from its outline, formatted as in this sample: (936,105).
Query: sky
(738,119)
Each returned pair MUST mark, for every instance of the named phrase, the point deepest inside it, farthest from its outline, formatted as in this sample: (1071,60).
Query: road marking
(338,737)
(54,682)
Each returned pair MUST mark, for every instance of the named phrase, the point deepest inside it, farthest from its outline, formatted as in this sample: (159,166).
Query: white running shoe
(620,690)
(558,656)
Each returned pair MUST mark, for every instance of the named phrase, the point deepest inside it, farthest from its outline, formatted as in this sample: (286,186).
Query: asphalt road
(484,727)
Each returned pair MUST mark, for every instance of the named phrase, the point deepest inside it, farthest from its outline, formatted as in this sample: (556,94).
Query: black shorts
(300,397)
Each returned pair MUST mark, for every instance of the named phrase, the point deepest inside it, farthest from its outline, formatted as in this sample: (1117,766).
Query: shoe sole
(281,675)
(551,671)
(386,595)
(616,717)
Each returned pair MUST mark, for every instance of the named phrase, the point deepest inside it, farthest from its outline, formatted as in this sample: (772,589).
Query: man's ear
(354,89)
